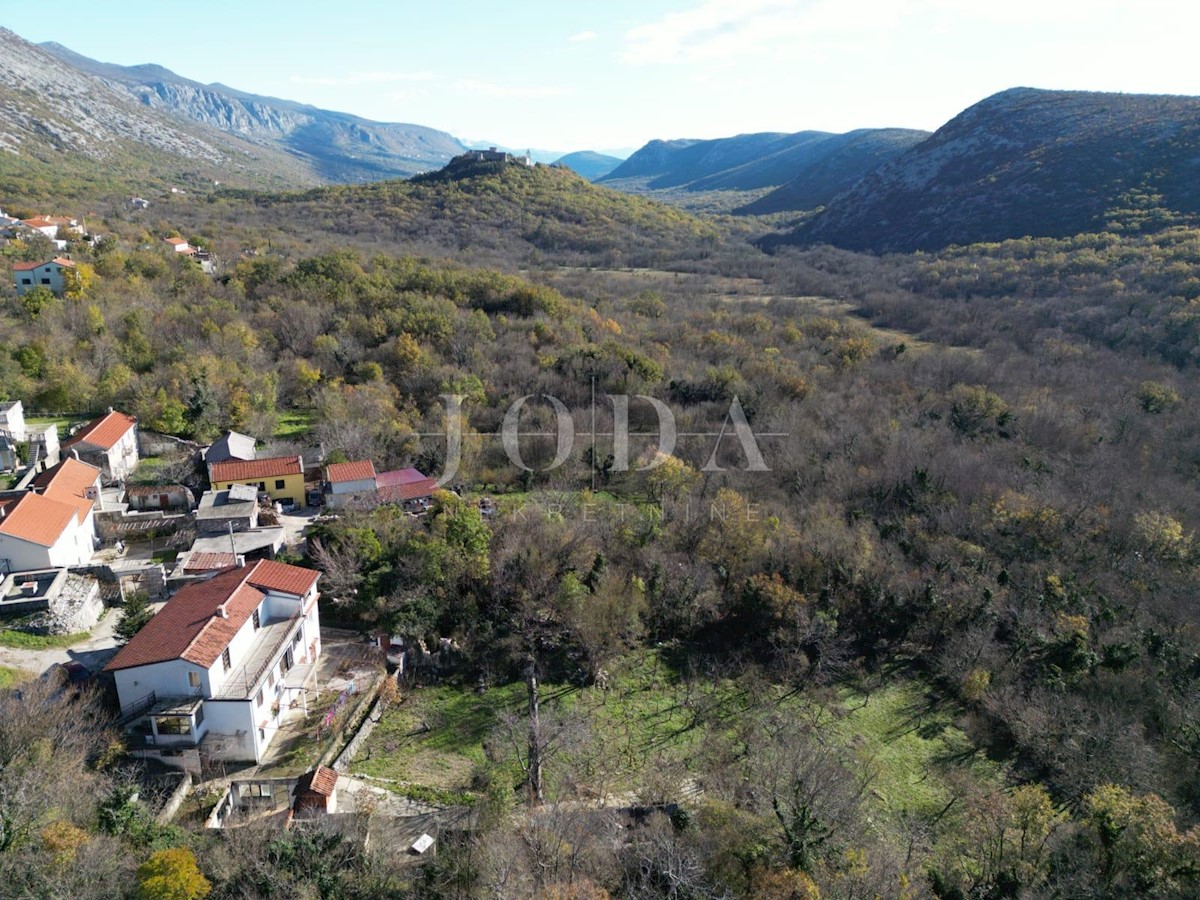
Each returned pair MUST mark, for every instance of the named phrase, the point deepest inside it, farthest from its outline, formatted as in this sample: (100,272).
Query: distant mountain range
(589,164)
(333,146)
(1026,162)
(813,165)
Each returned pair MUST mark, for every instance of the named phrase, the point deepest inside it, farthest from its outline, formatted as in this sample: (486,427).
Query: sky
(615,74)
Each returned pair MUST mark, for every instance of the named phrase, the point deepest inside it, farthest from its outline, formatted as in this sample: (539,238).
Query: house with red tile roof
(180,245)
(222,667)
(349,481)
(50,274)
(280,477)
(410,488)
(53,525)
(109,443)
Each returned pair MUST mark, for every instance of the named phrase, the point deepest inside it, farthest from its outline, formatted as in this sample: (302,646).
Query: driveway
(94,651)
(294,524)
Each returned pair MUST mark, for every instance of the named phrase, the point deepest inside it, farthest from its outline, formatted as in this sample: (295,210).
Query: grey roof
(232,445)
(228,504)
(243,541)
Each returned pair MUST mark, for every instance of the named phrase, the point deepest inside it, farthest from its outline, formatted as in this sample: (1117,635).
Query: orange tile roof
(39,222)
(256,469)
(360,470)
(175,242)
(38,519)
(322,780)
(30,266)
(191,627)
(275,576)
(69,482)
(104,432)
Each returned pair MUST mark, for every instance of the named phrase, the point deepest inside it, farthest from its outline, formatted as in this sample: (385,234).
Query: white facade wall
(49,275)
(344,492)
(74,548)
(12,420)
(24,556)
(123,456)
(231,731)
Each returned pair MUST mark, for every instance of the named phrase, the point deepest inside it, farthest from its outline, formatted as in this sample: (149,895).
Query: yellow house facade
(282,477)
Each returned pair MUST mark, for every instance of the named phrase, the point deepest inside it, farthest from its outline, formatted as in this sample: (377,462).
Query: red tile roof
(256,469)
(321,780)
(275,576)
(414,490)
(38,222)
(208,562)
(69,482)
(30,266)
(191,627)
(103,432)
(175,241)
(360,470)
(399,476)
(38,519)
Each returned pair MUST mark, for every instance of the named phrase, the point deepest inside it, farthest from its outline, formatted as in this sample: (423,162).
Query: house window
(262,485)
(225,659)
(199,716)
(194,679)
(271,678)
(279,484)
(258,698)
(257,620)
(262,734)
(45,281)
(173,725)
(26,281)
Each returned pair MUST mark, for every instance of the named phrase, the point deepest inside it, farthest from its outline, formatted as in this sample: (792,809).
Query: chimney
(222,611)
(241,560)
(110,409)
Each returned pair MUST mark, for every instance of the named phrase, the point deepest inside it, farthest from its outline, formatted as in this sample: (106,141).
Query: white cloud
(583,36)
(489,89)
(353,78)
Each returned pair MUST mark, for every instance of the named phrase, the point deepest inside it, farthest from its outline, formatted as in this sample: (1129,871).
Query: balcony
(270,642)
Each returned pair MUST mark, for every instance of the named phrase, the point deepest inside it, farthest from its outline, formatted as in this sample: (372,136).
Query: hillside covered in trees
(944,645)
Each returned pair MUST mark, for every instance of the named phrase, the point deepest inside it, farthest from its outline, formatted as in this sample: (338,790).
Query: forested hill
(1027,162)
(499,209)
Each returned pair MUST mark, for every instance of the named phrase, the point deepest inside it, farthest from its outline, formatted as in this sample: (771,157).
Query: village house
(50,274)
(53,525)
(223,665)
(233,509)
(180,245)
(109,443)
(12,420)
(281,477)
(348,481)
(158,498)
(231,445)
(410,488)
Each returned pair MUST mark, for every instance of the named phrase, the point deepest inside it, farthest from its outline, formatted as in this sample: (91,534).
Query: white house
(349,481)
(180,245)
(109,443)
(12,420)
(52,526)
(28,275)
(222,666)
